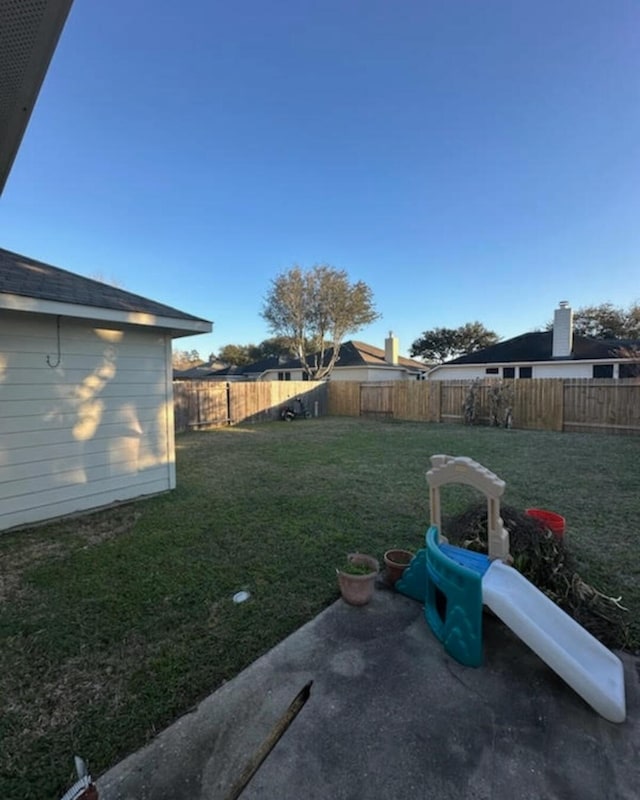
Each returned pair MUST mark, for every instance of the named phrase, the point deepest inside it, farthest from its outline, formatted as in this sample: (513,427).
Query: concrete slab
(391,715)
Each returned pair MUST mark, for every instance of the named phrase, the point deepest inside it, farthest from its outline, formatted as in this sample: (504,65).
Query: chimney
(562,331)
(391,349)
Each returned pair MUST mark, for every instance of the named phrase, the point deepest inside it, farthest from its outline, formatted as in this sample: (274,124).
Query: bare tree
(315,309)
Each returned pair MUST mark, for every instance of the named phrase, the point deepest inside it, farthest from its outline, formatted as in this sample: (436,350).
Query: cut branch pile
(545,561)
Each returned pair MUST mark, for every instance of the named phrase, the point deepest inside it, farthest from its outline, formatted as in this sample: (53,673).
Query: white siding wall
(96,429)
(575,369)
(368,374)
(360,374)
(272,375)
(560,369)
(462,373)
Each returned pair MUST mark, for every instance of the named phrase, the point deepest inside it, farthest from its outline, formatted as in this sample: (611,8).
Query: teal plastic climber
(448,580)
(453,606)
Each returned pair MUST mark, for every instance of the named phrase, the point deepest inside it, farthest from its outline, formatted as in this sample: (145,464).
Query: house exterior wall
(361,374)
(550,369)
(369,374)
(575,369)
(95,429)
(272,375)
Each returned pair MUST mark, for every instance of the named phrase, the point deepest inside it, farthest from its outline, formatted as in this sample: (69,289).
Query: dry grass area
(114,623)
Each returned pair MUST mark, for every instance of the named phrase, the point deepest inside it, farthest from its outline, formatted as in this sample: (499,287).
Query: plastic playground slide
(594,672)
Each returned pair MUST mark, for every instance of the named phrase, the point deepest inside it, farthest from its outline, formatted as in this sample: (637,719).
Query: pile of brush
(544,560)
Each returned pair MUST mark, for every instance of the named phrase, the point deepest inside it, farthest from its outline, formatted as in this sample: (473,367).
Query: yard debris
(545,560)
(278,730)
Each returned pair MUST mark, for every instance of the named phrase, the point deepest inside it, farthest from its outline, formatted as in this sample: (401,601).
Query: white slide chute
(594,672)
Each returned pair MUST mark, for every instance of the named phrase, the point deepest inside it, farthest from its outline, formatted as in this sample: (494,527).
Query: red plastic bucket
(549,519)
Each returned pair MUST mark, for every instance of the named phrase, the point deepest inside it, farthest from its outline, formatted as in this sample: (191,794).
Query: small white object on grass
(240,597)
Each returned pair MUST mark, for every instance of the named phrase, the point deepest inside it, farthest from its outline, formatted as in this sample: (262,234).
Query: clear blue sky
(467,159)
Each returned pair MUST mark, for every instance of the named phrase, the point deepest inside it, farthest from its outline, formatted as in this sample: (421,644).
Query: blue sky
(468,160)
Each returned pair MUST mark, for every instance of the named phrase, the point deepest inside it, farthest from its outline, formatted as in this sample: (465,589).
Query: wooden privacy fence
(198,404)
(611,406)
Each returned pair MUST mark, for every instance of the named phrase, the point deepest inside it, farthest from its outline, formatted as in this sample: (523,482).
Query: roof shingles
(26,277)
(537,346)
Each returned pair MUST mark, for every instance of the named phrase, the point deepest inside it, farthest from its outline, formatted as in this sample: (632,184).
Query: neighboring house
(86,400)
(199,372)
(215,371)
(557,353)
(357,361)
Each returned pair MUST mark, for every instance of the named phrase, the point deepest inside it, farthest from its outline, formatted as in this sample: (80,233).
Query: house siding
(93,430)
(369,374)
(363,374)
(574,369)
(559,369)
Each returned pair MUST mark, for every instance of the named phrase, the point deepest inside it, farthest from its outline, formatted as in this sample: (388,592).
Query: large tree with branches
(315,309)
(606,321)
(442,344)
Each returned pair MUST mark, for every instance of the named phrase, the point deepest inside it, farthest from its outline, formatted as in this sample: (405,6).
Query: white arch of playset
(450,469)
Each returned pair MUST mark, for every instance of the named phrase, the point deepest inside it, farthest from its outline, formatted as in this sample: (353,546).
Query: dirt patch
(24,550)
(105,525)
(545,560)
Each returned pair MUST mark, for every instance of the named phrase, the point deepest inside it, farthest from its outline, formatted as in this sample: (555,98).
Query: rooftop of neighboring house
(356,354)
(352,354)
(200,371)
(537,346)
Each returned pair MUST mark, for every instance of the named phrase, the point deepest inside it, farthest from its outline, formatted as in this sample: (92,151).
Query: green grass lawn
(113,624)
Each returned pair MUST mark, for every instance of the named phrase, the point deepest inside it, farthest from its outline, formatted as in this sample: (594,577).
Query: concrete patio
(392,715)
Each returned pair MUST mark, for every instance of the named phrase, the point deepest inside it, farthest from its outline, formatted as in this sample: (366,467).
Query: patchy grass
(113,624)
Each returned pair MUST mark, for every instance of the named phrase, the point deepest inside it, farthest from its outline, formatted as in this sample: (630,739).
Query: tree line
(310,312)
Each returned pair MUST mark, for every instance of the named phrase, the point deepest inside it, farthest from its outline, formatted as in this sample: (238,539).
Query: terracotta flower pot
(396,561)
(357,590)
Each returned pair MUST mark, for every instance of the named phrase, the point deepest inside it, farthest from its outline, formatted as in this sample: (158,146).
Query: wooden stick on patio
(270,742)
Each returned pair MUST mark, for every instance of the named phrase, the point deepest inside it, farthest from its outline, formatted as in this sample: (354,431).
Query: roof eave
(40,44)
(523,363)
(176,326)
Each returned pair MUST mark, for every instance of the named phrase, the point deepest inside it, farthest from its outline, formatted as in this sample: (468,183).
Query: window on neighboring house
(284,376)
(525,372)
(629,370)
(305,376)
(492,371)
(603,371)
(508,372)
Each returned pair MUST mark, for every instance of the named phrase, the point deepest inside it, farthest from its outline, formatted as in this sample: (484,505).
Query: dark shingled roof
(272,362)
(538,347)
(352,354)
(26,277)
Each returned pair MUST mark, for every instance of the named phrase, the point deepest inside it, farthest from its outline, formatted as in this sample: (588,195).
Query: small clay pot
(357,590)
(396,561)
